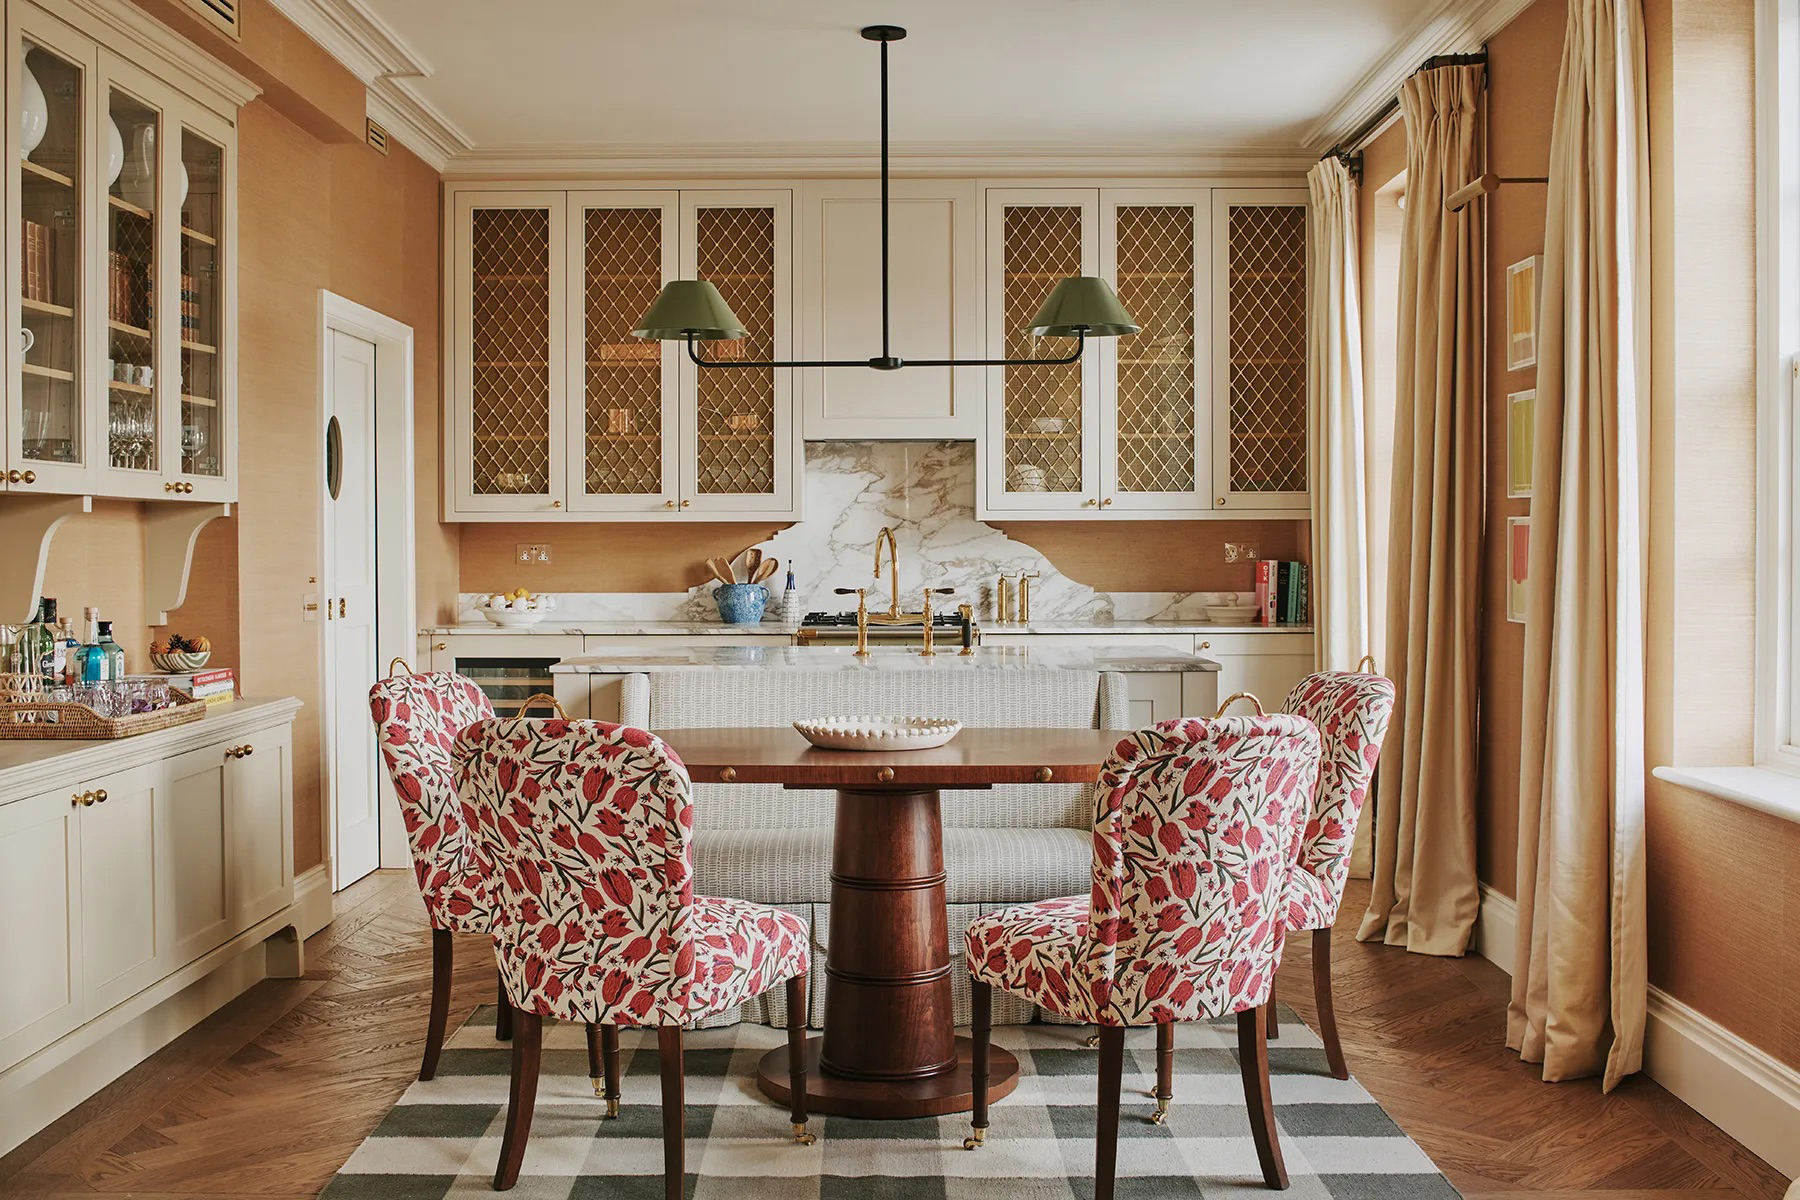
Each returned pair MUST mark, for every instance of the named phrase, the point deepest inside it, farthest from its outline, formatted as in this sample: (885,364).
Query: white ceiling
(1167,75)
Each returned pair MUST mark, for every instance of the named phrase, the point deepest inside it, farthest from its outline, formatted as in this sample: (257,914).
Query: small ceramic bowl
(1231,614)
(179,663)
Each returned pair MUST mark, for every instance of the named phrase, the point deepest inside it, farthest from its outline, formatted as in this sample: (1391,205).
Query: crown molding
(1451,27)
(375,53)
(162,51)
(740,160)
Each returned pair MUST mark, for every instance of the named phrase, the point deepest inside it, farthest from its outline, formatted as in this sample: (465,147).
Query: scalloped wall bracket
(27,522)
(170,532)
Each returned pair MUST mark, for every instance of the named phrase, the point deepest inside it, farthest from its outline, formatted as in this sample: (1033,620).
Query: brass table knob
(885,775)
(1045,774)
(727,774)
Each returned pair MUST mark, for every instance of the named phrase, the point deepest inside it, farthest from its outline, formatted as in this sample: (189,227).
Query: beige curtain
(1424,893)
(1579,990)
(1343,624)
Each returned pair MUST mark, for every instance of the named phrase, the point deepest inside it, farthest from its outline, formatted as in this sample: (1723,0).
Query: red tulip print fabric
(417,718)
(587,826)
(1196,831)
(1351,711)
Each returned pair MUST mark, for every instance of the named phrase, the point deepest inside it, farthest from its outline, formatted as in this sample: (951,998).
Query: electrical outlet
(1239,552)
(535,553)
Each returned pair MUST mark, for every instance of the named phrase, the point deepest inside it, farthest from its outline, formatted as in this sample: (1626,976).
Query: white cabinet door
(122,936)
(1042,451)
(507,274)
(741,454)
(1260,403)
(623,437)
(40,891)
(1155,428)
(932,312)
(1267,665)
(259,791)
(194,864)
(1152,696)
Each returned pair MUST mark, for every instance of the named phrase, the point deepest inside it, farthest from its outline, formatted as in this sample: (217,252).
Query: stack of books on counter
(215,685)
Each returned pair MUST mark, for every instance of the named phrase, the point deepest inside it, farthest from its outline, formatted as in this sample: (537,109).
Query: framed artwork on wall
(1521,418)
(1518,566)
(1521,312)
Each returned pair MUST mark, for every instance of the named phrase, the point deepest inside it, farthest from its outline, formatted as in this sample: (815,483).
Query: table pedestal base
(931,1096)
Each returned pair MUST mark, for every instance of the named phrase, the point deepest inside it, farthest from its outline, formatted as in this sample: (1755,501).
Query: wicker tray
(38,720)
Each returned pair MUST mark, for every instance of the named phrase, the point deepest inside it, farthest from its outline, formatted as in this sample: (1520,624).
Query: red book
(215,675)
(1265,591)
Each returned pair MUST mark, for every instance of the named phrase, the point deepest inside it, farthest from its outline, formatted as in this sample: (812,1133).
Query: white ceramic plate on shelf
(878,733)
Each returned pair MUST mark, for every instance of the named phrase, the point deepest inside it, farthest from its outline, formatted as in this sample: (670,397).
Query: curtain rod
(1352,158)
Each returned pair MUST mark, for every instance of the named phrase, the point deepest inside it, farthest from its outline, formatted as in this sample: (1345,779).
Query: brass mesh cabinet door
(1261,406)
(1156,246)
(508,428)
(1043,431)
(739,439)
(623,427)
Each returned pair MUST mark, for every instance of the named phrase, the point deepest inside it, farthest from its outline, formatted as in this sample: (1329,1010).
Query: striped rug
(443,1137)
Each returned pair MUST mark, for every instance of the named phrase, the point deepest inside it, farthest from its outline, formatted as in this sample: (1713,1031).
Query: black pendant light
(693,311)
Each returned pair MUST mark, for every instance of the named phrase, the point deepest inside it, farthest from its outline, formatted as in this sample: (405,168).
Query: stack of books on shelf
(215,685)
(1281,592)
(35,260)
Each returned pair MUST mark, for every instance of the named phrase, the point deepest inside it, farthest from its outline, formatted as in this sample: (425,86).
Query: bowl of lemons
(521,606)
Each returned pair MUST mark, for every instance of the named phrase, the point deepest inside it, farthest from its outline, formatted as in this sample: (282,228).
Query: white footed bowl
(515,616)
(878,733)
(1231,614)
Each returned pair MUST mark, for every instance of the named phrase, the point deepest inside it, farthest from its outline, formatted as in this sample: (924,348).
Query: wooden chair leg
(796,1028)
(503,1016)
(609,1052)
(1106,1132)
(1273,1022)
(1321,969)
(981,996)
(1253,1058)
(443,949)
(527,1044)
(1165,1071)
(668,1045)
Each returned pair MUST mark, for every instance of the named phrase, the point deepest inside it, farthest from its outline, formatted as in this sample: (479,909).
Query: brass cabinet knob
(440,645)
(249,750)
(1045,775)
(1221,503)
(668,504)
(100,795)
(1206,645)
(13,477)
(1089,503)
(87,799)
(727,774)
(75,800)
(685,503)
(171,487)
(885,775)
(1106,503)
(187,489)
(28,477)
(556,504)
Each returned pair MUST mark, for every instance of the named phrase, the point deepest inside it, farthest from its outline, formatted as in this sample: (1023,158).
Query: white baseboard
(312,900)
(1749,1094)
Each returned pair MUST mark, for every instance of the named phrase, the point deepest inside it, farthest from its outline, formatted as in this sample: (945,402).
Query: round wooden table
(890,1048)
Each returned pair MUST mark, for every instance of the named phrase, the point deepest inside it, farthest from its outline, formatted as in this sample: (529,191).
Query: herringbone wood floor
(269,1096)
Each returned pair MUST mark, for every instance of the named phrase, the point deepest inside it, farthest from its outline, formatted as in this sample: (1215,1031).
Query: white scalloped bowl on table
(878,733)
(514,616)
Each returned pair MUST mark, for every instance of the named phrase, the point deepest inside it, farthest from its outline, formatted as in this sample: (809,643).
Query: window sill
(1762,788)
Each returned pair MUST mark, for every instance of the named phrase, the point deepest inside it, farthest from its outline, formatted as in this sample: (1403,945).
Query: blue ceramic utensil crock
(741,603)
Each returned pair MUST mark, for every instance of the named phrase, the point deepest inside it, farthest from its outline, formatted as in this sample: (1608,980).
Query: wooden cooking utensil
(752,561)
(768,568)
(721,570)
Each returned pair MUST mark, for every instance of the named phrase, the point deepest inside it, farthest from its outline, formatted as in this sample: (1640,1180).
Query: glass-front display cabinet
(121,197)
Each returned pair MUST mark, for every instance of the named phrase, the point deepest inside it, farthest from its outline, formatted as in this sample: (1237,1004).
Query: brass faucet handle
(849,591)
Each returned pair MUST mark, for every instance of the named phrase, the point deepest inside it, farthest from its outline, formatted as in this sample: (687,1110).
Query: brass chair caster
(976,1139)
(612,1108)
(1161,1115)
(802,1137)
(599,1088)
(1091,1041)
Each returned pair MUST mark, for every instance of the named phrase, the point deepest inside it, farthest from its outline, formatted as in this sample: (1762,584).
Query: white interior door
(350,651)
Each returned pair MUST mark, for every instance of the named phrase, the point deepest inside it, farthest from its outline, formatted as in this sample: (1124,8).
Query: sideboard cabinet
(557,411)
(120,265)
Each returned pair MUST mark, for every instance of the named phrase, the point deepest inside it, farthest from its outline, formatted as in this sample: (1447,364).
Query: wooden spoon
(721,570)
(768,568)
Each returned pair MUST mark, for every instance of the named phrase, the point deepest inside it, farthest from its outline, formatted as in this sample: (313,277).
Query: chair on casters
(587,826)
(1196,829)
(417,717)
(1351,711)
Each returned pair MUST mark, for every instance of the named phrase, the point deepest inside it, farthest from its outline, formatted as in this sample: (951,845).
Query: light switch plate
(535,553)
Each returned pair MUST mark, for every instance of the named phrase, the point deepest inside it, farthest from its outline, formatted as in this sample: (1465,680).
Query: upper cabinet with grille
(557,411)
(1203,411)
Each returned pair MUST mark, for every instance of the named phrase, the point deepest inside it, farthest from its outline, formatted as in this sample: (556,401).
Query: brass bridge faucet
(887,534)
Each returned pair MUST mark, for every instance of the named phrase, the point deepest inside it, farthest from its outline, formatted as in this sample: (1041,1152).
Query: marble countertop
(885,659)
(777,629)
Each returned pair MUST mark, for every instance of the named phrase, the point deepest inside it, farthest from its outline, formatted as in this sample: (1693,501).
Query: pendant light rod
(1079,307)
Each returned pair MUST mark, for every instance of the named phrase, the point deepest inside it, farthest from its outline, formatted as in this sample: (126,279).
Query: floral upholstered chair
(1196,830)
(595,919)
(417,718)
(1351,711)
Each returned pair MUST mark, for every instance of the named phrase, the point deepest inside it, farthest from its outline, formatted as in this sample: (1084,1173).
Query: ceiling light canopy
(693,311)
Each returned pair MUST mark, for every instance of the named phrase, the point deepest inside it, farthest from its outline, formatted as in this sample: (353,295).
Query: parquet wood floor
(264,1100)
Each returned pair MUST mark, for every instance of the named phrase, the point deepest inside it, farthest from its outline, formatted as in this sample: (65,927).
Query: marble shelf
(884,659)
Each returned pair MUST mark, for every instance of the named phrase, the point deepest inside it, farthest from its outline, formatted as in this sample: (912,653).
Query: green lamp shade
(1082,304)
(691,306)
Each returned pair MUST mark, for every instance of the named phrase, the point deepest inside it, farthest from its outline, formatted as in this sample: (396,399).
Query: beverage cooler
(509,667)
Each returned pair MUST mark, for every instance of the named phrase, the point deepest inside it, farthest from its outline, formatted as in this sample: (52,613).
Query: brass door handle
(340,606)
(440,645)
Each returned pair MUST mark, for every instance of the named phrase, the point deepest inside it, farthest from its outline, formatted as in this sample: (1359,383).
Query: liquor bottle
(88,663)
(71,647)
(31,649)
(115,653)
(48,650)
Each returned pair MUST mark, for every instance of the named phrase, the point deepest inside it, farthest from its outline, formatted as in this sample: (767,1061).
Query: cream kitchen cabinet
(124,831)
(123,282)
(558,413)
(41,996)
(1188,417)
(933,311)
(1267,665)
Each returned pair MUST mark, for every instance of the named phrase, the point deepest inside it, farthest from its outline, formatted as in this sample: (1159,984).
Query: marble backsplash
(925,492)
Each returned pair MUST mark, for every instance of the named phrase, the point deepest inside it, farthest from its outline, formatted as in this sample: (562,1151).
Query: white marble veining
(886,660)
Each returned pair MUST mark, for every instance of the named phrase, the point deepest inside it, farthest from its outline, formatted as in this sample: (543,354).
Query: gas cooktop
(847,620)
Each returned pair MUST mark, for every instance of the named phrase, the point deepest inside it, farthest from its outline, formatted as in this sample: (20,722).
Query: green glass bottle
(115,653)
